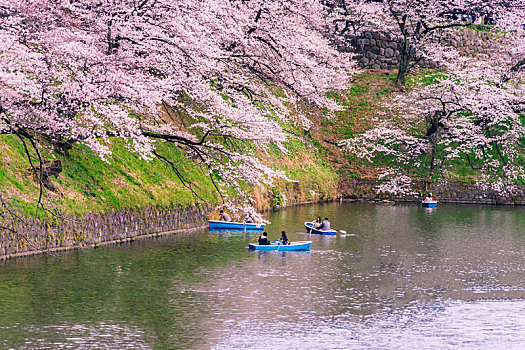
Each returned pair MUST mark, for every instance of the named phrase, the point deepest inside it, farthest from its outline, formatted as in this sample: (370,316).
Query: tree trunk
(405,56)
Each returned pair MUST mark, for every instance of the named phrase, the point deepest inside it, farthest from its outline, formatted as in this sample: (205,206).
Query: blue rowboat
(310,229)
(293,246)
(432,204)
(229,225)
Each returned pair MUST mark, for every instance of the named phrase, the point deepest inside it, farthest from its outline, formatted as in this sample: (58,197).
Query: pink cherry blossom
(84,71)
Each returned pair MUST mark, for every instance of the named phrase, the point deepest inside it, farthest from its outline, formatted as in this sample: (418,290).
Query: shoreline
(129,225)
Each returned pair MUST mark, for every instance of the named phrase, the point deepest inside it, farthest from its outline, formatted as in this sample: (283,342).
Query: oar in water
(279,245)
(311,227)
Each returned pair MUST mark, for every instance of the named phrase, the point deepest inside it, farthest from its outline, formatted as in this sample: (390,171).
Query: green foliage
(278,197)
(357,90)
(425,78)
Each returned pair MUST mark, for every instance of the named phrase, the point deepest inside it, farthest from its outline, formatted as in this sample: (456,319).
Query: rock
(49,168)
(389,52)
(394,60)
(52,168)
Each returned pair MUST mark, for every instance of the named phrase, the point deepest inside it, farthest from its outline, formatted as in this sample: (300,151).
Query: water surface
(401,277)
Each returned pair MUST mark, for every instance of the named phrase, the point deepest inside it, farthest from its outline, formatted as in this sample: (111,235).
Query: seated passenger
(263,240)
(284,238)
(317,222)
(325,225)
(429,198)
(249,219)
(224,216)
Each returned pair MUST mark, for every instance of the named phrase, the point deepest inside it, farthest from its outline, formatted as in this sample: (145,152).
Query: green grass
(425,77)
(88,184)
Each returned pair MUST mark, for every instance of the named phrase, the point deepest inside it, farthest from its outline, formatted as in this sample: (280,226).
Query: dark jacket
(284,239)
(264,241)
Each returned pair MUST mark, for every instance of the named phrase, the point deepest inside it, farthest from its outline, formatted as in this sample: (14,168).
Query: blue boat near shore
(293,246)
(432,204)
(230,225)
(311,229)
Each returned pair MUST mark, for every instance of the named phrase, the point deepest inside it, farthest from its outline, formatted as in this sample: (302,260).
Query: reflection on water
(78,336)
(402,277)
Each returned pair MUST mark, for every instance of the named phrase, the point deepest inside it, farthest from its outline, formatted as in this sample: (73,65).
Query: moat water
(402,277)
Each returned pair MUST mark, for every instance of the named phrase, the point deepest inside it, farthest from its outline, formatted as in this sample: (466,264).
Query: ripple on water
(81,336)
(452,279)
(452,325)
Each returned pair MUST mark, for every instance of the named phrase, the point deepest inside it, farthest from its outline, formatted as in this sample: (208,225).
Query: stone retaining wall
(449,193)
(35,236)
(38,236)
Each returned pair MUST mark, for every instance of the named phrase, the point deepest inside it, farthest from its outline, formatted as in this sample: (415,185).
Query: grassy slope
(362,102)
(366,100)
(87,184)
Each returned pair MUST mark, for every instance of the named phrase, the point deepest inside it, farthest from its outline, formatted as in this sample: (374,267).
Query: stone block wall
(376,50)
(35,235)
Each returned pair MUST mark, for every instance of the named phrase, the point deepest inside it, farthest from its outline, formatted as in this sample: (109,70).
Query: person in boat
(249,219)
(263,239)
(284,238)
(325,225)
(317,222)
(224,216)
(429,198)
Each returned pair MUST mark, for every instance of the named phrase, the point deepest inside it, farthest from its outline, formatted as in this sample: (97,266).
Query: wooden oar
(279,245)
(311,227)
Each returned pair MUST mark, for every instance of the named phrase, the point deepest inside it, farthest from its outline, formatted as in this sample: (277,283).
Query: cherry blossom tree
(472,115)
(420,25)
(84,71)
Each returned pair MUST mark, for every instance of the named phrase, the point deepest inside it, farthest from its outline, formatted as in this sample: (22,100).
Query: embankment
(453,193)
(40,235)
